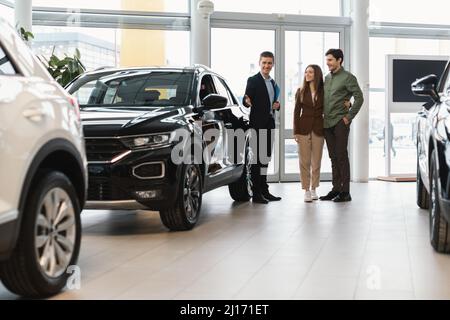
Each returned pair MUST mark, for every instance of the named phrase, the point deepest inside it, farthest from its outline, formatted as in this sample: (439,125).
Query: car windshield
(134,88)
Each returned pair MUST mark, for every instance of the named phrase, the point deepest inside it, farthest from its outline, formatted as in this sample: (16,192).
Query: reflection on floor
(373,248)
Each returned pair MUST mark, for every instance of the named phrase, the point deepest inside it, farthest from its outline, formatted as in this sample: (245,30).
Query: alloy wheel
(192,192)
(55,232)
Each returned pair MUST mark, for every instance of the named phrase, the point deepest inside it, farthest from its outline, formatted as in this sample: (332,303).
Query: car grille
(99,189)
(104,149)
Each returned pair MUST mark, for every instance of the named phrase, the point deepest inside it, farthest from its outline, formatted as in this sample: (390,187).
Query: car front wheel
(49,239)
(439,227)
(184,213)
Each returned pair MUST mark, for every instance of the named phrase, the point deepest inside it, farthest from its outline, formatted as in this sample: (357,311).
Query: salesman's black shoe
(271,197)
(343,197)
(330,196)
(260,199)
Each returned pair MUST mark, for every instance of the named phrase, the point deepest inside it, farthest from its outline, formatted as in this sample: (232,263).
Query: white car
(43,176)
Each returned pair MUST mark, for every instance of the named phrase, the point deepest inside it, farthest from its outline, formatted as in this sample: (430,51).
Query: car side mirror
(214,101)
(426,87)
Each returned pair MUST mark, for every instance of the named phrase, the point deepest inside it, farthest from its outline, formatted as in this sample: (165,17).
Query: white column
(22,12)
(360,68)
(201,11)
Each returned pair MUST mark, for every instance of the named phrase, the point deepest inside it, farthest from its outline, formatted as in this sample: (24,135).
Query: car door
(436,113)
(236,124)
(213,128)
(423,134)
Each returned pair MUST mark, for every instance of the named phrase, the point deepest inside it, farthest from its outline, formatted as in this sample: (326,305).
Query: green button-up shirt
(340,86)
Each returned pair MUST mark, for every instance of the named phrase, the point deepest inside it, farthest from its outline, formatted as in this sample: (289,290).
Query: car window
(222,90)
(6,67)
(230,94)
(136,89)
(207,87)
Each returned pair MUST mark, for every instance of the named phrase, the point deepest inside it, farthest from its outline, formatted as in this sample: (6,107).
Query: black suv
(138,124)
(433,156)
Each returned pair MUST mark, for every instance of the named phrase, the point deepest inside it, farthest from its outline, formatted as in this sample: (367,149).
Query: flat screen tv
(406,71)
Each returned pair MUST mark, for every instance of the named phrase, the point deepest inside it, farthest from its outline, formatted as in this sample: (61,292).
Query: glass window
(142,88)
(379,48)
(376,134)
(177,6)
(6,67)
(222,90)
(413,11)
(238,65)
(307,7)
(207,87)
(403,143)
(101,47)
(303,49)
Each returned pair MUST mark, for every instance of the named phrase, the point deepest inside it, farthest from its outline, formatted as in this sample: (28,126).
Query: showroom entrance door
(235,49)
(300,48)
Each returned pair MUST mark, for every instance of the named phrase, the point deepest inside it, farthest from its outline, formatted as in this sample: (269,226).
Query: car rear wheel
(241,190)
(439,227)
(184,213)
(422,196)
(49,239)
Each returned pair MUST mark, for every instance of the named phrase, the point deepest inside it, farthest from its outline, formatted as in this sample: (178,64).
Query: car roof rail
(201,66)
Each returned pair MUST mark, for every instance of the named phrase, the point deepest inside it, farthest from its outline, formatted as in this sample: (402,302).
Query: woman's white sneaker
(314,195)
(308,197)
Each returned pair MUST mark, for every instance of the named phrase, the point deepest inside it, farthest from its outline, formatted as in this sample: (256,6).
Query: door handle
(34,114)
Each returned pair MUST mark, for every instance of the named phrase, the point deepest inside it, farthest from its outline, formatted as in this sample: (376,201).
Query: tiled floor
(373,248)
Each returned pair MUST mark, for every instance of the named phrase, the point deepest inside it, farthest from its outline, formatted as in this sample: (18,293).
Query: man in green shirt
(340,85)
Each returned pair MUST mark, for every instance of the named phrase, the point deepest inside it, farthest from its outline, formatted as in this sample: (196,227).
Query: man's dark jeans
(337,144)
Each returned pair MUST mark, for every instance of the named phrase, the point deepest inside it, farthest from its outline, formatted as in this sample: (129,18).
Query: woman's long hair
(318,82)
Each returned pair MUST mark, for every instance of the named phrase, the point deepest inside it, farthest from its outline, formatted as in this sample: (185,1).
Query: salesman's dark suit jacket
(262,116)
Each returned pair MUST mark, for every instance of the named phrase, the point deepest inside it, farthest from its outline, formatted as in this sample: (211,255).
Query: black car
(132,121)
(433,156)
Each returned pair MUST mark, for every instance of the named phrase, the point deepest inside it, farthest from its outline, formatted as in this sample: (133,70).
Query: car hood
(104,122)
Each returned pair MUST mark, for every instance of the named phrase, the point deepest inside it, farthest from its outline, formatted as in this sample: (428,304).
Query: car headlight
(148,141)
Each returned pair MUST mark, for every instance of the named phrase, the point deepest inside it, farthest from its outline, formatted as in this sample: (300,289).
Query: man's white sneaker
(314,195)
(308,197)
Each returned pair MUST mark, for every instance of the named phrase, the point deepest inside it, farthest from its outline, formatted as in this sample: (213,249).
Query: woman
(308,129)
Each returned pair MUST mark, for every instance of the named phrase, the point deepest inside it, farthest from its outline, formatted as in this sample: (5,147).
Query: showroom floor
(373,248)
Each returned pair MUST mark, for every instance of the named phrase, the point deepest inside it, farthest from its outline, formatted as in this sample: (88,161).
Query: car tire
(422,196)
(49,239)
(241,190)
(439,227)
(185,212)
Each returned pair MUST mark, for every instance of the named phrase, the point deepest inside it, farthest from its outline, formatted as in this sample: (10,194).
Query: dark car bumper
(142,179)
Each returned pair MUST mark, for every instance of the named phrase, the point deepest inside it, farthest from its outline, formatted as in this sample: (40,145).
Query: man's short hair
(337,54)
(267,54)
